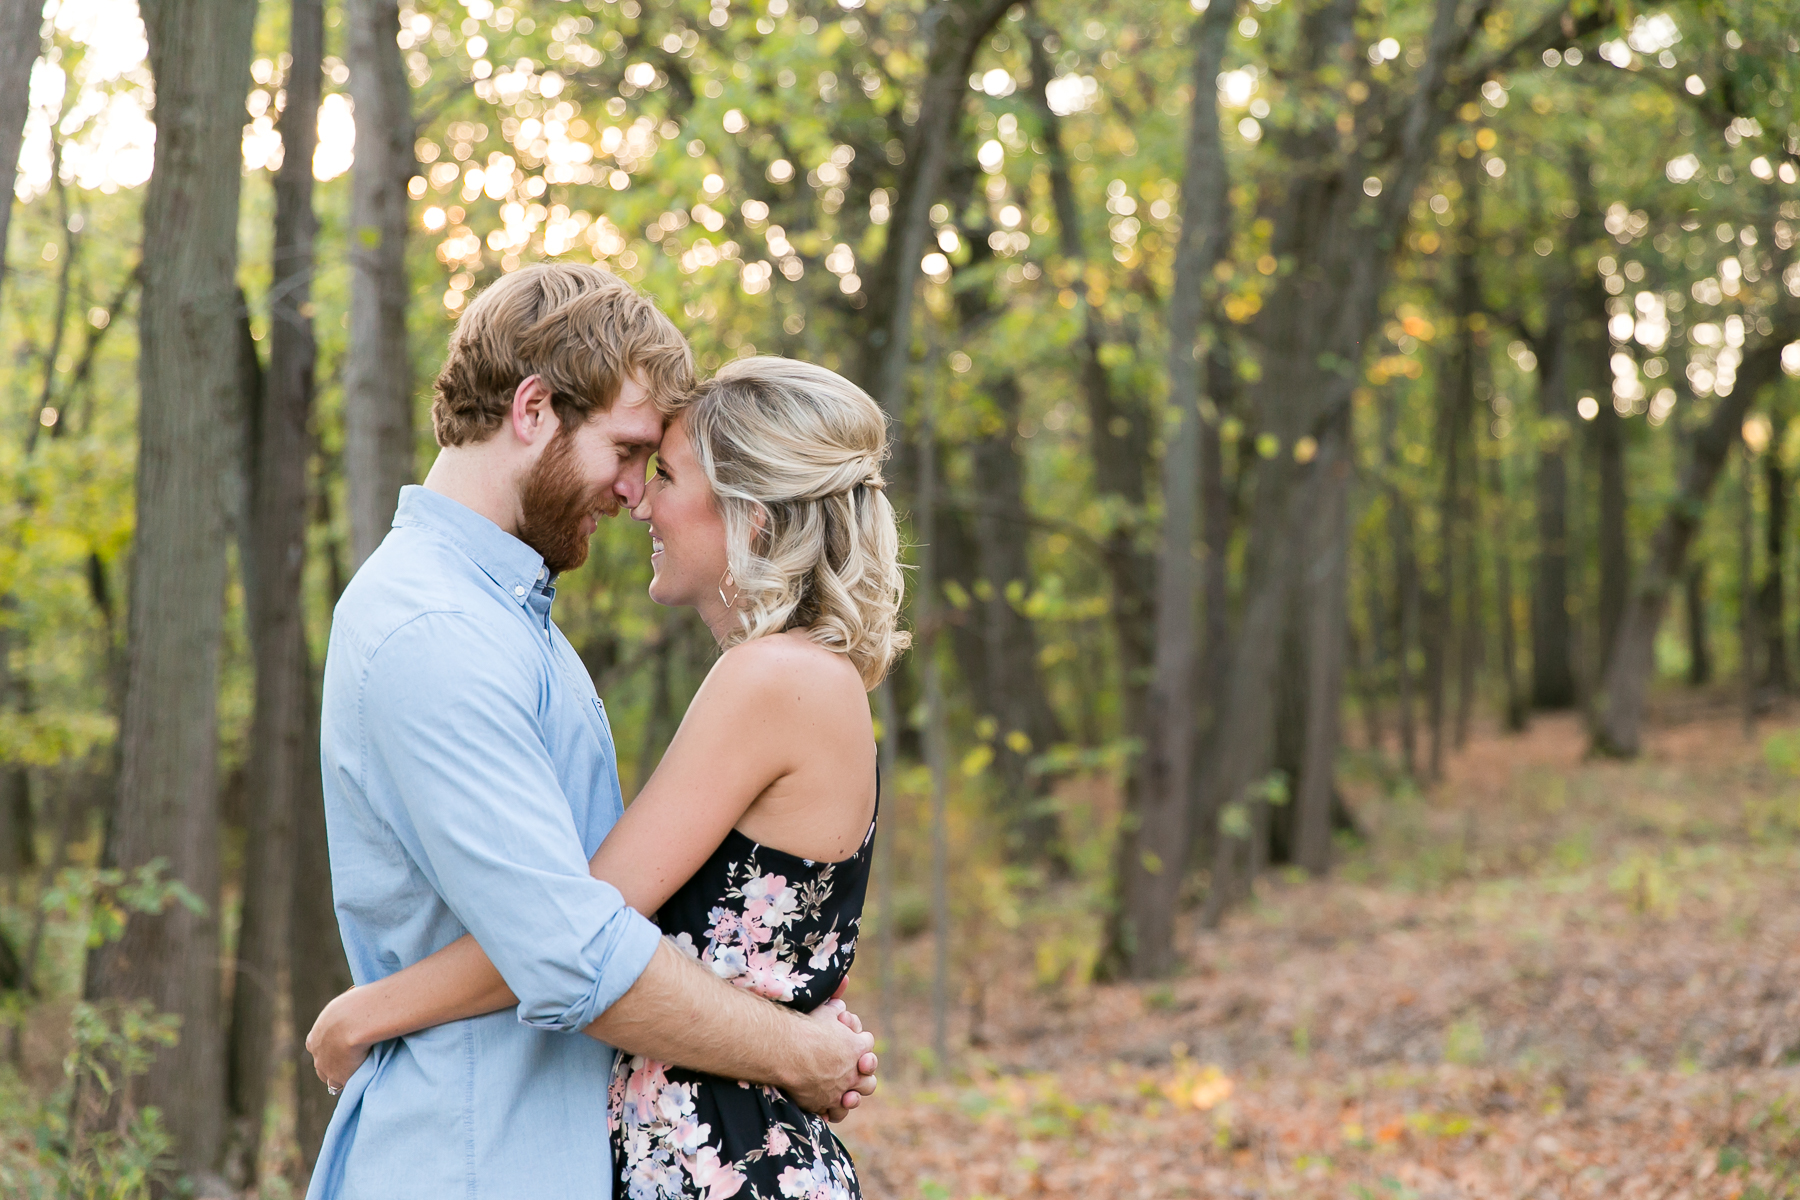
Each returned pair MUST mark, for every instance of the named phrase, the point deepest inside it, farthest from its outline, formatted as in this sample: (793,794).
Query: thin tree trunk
(1404,622)
(1552,642)
(1498,525)
(318,970)
(1747,639)
(937,737)
(1368,653)
(21,37)
(1215,532)
(168,790)
(1614,551)
(1119,433)
(1771,597)
(1467,496)
(1154,848)
(272,549)
(378,430)
(1326,606)
(1699,643)
(1632,662)
(1015,696)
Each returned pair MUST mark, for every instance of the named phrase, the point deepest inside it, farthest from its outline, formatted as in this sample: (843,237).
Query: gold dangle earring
(723,580)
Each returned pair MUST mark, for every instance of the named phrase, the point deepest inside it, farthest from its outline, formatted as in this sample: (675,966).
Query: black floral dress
(782,927)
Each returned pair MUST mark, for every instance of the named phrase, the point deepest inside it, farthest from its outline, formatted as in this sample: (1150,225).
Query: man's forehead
(635,417)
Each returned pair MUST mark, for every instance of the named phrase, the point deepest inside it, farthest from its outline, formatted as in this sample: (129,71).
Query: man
(470,774)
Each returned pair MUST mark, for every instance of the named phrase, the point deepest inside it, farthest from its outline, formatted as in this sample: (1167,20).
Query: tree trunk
(1771,596)
(1405,622)
(1747,639)
(21,37)
(1552,640)
(1154,850)
(1499,528)
(168,793)
(1313,328)
(937,741)
(318,970)
(1119,438)
(1215,531)
(1469,360)
(272,549)
(1699,643)
(1632,662)
(1014,693)
(1615,552)
(1326,604)
(378,430)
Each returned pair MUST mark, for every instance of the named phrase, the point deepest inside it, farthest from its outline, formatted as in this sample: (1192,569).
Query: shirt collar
(509,562)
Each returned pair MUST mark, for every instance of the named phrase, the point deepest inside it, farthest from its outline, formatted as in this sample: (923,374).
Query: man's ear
(533,417)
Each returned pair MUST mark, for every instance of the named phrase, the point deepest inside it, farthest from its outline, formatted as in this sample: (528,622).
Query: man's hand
(840,1070)
(336,1054)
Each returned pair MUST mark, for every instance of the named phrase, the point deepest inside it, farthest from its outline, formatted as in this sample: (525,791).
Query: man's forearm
(679,1012)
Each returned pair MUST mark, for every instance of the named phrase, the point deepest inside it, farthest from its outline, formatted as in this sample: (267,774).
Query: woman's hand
(335,1051)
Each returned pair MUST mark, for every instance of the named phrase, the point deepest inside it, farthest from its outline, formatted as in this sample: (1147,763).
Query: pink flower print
(768,976)
(770,902)
(808,1183)
(684,942)
(719,1179)
(777,1143)
(821,957)
(644,1088)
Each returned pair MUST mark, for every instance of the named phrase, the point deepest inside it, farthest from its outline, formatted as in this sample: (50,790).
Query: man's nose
(629,486)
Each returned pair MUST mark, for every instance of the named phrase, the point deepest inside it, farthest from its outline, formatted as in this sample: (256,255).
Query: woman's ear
(533,415)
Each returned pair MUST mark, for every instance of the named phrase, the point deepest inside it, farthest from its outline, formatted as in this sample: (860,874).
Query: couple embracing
(508,924)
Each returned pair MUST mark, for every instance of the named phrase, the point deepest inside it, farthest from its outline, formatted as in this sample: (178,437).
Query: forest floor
(1544,976)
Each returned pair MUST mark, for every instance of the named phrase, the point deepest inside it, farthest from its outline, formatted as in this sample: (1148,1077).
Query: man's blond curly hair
(794,453)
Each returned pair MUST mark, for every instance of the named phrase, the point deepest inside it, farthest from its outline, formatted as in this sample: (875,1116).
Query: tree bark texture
(1119,429)
(168,793)
(378,426)
(317,969)
(283,761)
(1631,665)
(1771,595)
(1013,688)
(1325,589)
(1156,836)
(1615,554)
(21,37)
(1552,640)
(1698,641)
(1499,528)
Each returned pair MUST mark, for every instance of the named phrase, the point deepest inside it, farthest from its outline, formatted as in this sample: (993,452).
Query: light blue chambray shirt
(469,775)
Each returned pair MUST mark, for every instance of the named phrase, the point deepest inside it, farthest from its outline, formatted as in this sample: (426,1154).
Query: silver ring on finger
(332,1091)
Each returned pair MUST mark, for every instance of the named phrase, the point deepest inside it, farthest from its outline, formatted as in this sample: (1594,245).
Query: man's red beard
(554,501)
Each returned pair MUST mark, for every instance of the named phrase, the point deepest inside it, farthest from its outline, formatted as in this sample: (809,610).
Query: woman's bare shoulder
(786,668)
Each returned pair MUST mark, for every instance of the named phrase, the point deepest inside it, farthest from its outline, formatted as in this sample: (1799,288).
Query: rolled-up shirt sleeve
(451,721)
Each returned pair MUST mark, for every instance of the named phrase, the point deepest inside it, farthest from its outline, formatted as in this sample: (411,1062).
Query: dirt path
(1549,977)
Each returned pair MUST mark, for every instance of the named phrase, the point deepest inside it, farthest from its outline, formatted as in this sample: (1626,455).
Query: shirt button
(519,591)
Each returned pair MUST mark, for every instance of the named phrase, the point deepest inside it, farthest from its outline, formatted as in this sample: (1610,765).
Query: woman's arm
(458,981)
(698,792)
(742,733)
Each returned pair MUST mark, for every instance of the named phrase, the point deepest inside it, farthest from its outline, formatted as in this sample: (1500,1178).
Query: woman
(751,842)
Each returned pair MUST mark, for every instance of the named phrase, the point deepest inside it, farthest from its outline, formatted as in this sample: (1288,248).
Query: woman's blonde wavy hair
(793,453)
